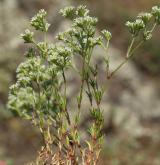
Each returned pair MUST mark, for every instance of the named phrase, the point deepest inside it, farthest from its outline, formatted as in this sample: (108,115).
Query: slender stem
(80,97)
(107,59)
(133,50)
(65,96)
(113,72)
(154,26)
(84,56)
(89,92)
(82,86)
(38,115)
(130,47)
(130,53)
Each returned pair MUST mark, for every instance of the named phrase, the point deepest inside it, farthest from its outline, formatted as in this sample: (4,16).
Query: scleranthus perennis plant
(40,93)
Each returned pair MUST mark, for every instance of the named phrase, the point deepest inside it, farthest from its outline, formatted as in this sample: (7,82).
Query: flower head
(82,11)
(135,27)
(39,22)
(68,12)
(27,36)
(146,17)
(107,34)
(156,13)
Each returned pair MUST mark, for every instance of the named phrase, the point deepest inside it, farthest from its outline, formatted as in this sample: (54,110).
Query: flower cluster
(135,27)
(68,12)
(142,21)
(82,11)
(81,36)
(61,57)
(71,12)
(145,17)
(39,22)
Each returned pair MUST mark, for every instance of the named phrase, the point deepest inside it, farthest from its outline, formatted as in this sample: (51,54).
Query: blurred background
(132,103)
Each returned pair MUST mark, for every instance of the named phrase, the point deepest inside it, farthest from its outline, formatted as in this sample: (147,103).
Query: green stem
(133,50)
(130,47)
(38,109)
(65,96)
(107,59)
(82,87)
(89,92)
(113,72)
(131,53)
(154,26)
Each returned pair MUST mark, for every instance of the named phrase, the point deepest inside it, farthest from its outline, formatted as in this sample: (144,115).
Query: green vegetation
(40,93)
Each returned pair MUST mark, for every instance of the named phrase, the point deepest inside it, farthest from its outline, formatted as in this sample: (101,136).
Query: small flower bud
(98,40)
(85,21)
(156,13)
(82,11)
(27,36)
(139,24)
(68,12)
(107,34)
(146,17)
(147,35)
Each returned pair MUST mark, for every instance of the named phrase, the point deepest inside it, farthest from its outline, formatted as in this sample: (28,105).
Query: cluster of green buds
(141,24)
(81,37)
(135,27)
(71,12)
(145,17)
(39,22)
